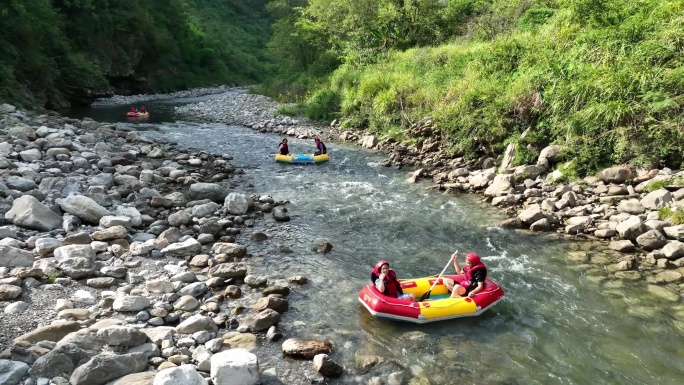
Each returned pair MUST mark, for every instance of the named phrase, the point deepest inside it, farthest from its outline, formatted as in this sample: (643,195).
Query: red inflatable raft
(438,307)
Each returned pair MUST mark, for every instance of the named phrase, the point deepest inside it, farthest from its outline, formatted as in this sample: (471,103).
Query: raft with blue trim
(302,158)
(437,308)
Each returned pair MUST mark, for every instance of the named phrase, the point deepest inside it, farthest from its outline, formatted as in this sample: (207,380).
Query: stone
(617,174)
(675,232)
(84,208)
(327,367)
(14,257)
(197,323)
(143,378)
(237,204)
(9,292)
(212,191)
(131,303)
(631,228)
(232,250)
(53,332)
(651,240)
(622,246)
(110,233)
(673,250)
(11,372)
(122,336)
(184,374)
(28,212)
(235,367)
(656,199)
(105,367)
(307,349)
(183,249)
(501,185)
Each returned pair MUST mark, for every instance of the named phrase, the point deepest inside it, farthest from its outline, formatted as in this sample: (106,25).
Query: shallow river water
(566,318)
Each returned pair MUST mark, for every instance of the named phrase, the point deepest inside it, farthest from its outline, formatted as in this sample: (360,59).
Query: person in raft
(387,283)
(143,110)
(133,110)
(283,147)
(320,147)
(474,273)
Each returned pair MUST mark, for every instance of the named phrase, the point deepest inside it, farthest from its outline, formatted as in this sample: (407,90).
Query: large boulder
(11,372)
(631,228)
(184,374)
(233,367)
(501,185)
(213,191)
(552,153)
(106,367)
(656,199)
(618,174)
(237,204)
(14,257)
(307,349)
(18,183)
(84,208)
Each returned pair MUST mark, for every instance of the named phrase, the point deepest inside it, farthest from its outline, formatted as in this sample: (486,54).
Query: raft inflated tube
(302,158)
(431,310)
(137,114)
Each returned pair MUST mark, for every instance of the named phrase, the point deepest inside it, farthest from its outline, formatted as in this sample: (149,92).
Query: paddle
(427,295)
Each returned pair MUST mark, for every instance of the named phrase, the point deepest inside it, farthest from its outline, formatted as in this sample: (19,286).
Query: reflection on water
(566,319)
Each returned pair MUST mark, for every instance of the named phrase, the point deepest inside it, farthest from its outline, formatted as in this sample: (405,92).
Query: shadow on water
(566,319)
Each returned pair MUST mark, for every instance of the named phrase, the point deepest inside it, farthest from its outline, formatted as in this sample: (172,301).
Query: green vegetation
(603,78)
(674,216)
(52,278)
(53,53)
(658,184)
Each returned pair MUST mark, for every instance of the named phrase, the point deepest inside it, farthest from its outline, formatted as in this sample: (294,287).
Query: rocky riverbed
(638,212)
(129,261)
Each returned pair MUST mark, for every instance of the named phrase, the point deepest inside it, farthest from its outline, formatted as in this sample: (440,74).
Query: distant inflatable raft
(138,114)
(437,308)
(302,158)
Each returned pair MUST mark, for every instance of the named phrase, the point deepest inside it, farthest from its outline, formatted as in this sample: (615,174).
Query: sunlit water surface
(565,319)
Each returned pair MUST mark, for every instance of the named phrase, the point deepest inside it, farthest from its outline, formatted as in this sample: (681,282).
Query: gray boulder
(213,191)
(84,208)
(103,368)
(14,257)
(11,372)
(28,212)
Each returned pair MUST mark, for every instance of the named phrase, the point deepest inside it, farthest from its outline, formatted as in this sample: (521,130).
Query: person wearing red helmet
(385,280)
(474,274)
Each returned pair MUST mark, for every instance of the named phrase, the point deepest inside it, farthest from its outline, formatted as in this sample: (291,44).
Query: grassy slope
(610,92)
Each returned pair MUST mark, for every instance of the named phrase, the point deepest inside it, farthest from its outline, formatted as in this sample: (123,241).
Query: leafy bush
(323,105)
(602,78)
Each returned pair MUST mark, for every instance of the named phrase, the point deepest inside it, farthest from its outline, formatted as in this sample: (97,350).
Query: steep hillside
(61,52)
(605,79)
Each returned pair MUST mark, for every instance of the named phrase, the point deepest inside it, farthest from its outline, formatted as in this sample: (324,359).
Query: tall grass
(611,90)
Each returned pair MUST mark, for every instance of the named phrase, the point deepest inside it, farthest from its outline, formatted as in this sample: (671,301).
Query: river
(566,318)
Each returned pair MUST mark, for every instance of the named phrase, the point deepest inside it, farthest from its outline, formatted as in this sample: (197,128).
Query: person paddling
(283,147)
(385,280)
(474,275)
(320,147)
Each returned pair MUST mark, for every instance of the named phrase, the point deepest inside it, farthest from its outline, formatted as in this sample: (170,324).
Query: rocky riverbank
(639,212)
(191,93)
(128,261)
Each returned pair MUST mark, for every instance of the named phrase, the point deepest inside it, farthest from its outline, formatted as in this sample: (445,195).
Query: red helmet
(473,258)
(378,265)
(376,271)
